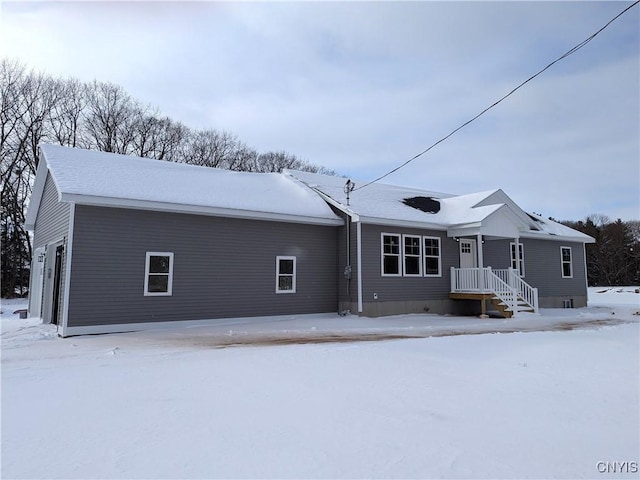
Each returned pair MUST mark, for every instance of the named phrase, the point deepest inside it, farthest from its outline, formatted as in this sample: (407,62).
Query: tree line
(615,257)
(38,108)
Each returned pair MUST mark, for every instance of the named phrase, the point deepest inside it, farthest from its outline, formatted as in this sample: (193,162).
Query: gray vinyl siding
(404,289)
(52,221)
(223,267)
(497,254)
(543,268)
(52,227)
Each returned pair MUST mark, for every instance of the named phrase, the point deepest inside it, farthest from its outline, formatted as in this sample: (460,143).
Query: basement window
(158,277)
(285,274)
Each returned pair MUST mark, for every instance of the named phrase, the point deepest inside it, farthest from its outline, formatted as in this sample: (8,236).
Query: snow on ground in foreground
(175,404)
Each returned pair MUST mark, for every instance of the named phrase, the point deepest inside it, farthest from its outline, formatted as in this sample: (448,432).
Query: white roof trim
(195,209)
(540,235)
(401,223)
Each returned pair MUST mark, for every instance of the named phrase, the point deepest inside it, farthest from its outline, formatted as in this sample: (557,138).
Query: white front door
(468,257)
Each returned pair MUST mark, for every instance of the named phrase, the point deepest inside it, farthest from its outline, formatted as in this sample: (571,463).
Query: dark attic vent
(426,204)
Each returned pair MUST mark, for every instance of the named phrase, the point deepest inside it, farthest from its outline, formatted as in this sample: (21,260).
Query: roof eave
(542,235)
(99,201)
(401,223)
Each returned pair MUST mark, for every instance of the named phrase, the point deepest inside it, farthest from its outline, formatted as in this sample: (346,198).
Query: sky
(361,87)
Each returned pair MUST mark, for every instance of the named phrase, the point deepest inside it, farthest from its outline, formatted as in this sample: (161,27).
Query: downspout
(359,253)
(586,273)
(347,269)
(480,263)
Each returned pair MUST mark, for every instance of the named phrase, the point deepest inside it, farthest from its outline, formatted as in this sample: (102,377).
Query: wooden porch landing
(470,296)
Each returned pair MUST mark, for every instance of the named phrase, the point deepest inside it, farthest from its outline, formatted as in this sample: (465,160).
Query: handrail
(528,293)
(501,289)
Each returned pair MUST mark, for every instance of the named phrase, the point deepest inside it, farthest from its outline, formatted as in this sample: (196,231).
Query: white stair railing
(501,289)
(505,284)
(527,293)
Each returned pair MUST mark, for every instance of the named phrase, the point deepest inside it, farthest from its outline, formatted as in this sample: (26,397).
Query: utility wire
(563,56)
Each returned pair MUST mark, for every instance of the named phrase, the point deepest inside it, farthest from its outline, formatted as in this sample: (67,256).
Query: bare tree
(159,138)
(210,148)
(110,118)
(65,116)
(26,99)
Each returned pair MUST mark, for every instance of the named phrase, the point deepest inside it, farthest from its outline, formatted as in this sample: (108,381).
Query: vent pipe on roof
(348,188)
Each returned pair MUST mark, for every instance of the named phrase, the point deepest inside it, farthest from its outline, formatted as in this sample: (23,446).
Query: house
(124,243)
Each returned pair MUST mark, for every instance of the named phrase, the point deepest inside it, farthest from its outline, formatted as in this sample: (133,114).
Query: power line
(562,57)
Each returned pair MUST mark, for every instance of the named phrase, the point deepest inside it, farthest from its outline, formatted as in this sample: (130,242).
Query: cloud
(361,87)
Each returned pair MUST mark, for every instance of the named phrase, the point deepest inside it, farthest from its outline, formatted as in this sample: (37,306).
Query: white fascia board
(501,223)
(465,230)
(36,194)
(513,206)
(540,235)
(196,209)
(402,223)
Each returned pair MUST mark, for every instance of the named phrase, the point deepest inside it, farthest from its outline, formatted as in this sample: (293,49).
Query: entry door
(468,257)
(57,278)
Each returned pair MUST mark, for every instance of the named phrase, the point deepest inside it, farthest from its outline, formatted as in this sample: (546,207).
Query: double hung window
(566,262)
(412,256)
(517,258)
(158,277)
(285,274)
(391,254)
(432,257)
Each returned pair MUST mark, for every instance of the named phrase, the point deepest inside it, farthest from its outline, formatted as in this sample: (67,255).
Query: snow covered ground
(321,396)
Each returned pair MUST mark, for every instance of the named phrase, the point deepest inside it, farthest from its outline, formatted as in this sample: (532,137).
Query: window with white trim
(391,254)
(285,274)
(432,261)
(412,255)
(566,261)
(158,274)
(517,258)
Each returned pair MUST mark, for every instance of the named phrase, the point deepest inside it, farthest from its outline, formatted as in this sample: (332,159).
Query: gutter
(195,209)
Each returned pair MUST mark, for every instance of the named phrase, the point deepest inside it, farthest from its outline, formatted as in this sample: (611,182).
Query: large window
(158,276)
(567,264)
(285,274)
(517,258)
(390,254)
(432,257)
(412,255)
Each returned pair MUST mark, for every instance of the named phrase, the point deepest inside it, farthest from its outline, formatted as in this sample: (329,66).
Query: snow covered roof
(107,179)
(491,212)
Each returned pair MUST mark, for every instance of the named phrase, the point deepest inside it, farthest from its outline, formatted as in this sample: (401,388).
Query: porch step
(508,312)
